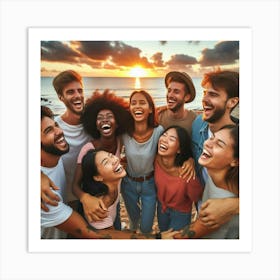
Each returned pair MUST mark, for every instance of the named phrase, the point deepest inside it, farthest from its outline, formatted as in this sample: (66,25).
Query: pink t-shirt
(88,146)
(112,209)
(175,192)
(112,212)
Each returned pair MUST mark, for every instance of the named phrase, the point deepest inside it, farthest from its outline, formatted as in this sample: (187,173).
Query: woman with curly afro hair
(105,118)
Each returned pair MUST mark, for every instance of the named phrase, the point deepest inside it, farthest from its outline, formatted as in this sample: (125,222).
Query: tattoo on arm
(99,233)
(91,228)
(79,231)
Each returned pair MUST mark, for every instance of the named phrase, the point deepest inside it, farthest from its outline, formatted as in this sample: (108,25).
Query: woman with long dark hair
(138,187)
(175,195)
(221,158)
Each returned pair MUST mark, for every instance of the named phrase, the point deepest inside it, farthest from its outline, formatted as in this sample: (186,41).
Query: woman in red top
(175,195)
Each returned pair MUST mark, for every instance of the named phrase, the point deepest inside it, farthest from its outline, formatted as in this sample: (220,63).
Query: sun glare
(137,72)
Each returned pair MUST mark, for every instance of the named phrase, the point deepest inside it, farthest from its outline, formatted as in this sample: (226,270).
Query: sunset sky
(137,58)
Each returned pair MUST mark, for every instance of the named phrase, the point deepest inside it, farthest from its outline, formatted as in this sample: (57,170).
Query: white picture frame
(17,262)
(243,35)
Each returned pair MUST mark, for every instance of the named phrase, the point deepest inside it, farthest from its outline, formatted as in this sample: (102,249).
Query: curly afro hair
(106,100)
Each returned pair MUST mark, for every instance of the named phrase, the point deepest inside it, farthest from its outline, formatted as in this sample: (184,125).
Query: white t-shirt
(56,214)
(76,138)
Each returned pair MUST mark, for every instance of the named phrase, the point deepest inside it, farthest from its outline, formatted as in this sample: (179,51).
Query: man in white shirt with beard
(53,146)
(69,88)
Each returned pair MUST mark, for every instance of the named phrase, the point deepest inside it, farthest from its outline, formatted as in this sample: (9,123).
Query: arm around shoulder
(47,195)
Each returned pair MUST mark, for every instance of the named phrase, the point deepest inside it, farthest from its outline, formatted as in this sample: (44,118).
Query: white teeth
(105,126)
(206,154)
(118,169)
(207,107)
(163,147)
(60,140)
(138,112)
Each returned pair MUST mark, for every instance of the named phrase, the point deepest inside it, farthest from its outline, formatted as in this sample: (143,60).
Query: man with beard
(69,88)
(220,97)
(61,219)
(53,146)
(180,90)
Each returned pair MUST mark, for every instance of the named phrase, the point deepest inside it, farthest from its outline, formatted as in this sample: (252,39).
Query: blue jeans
(172,218)
(140,203)
(117,223)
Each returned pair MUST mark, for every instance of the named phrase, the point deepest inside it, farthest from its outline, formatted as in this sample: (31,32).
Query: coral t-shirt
(176,193)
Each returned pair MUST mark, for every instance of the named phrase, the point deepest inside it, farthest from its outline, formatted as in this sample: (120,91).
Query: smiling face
(214,103)
(52,138)
(73,97)
(218,151)
(139,107)
(176,96)
(108,167)
(168,143)
(106,123)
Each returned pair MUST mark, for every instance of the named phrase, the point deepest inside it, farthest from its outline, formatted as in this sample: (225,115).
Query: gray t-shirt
(140,156)
(229,230)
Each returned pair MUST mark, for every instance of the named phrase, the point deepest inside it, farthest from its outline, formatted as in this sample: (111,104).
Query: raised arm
(47,195)
(215,212)
(94,208)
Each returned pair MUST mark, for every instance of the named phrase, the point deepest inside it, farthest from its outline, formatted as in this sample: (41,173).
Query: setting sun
(137,72)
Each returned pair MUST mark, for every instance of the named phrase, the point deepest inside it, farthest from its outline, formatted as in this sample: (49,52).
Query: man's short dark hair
(46,112)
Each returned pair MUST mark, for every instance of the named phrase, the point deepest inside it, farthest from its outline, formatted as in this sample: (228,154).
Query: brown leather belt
(142,178)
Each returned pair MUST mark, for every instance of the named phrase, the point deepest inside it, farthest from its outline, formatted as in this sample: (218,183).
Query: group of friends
(162,161)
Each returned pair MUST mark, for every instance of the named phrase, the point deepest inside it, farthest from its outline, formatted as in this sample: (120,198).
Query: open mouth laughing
(138,113)
(171,101)
(106,128)
(78,104)
(163,147)
(60,140)
(118,169)
(205,154)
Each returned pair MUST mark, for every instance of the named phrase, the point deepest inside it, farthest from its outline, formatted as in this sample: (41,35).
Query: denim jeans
(172,218)
(117,223)
(140,203)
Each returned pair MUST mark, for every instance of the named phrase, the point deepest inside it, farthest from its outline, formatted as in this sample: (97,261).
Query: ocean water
(122,87)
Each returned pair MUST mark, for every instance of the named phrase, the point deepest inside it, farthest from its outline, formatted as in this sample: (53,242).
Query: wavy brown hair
(223,79)
(64,78)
